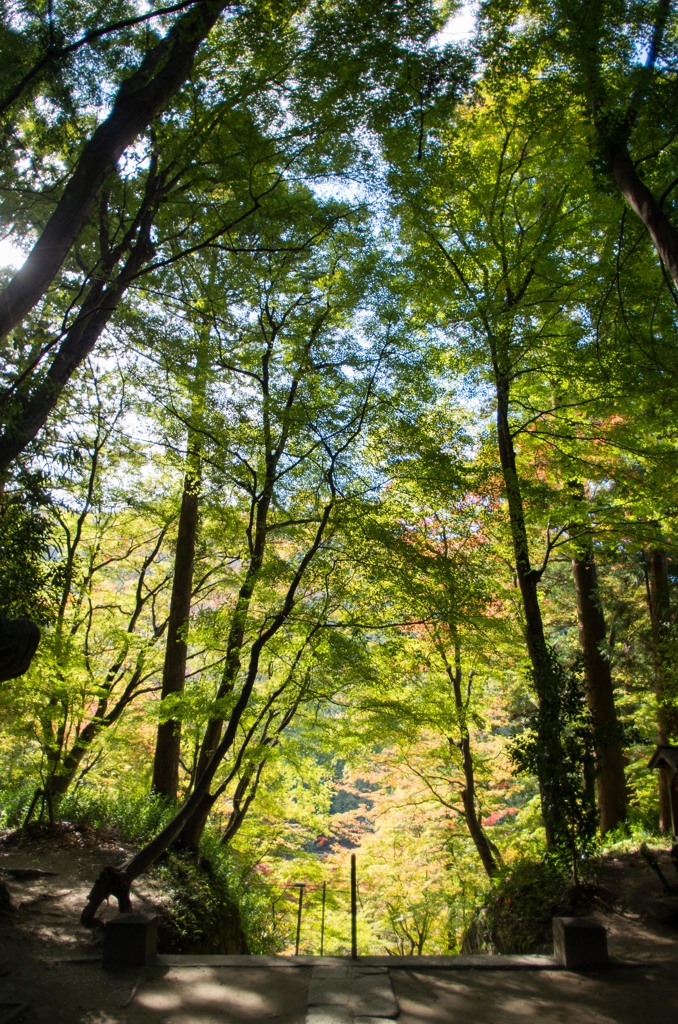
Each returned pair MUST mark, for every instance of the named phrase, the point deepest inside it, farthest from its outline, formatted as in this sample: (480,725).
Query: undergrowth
(518,912)
(132,819)
(210,909)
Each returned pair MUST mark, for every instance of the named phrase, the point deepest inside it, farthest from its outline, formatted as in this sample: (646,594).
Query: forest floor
(50,967)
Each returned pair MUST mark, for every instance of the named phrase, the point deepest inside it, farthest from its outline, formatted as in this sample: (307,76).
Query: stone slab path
(348,993)
(289,990)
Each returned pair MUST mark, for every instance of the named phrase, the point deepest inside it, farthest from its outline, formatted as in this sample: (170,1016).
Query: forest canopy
(337,437)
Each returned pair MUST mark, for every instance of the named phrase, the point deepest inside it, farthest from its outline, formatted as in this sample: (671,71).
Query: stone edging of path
(429,963)
(476,962)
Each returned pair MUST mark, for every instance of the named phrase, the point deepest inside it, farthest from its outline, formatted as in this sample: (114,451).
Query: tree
(280,445)
(424,602)
(501,250)
(662,618)
(96,656)
(610,785)
(168,742)
(198,81)
(619,60)
(139,99)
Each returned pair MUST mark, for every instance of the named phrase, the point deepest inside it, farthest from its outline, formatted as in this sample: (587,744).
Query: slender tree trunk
(258,540)
(610,783)
(61,780)
(26,410)
(612,135)
(168,741)
(550,758)
(244,794)
(487,851)
(661,617)
(117,881)
(191,833)
(67,763)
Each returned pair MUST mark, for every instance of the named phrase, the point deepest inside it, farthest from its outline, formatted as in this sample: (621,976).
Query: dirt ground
(50,967)
(48,962)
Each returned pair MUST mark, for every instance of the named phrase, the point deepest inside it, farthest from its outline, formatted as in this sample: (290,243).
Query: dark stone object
(130,939)
(19,639)
(579,942)
(664,910)
(5,900)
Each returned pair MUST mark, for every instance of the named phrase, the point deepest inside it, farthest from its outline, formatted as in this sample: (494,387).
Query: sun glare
(459,28)
(10,255)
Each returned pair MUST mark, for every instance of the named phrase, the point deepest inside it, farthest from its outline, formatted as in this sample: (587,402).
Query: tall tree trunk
(257,540)
(613,131)
(610,783)
(27,407)
(117,881)
(550,758)
(661,617)
(168,741)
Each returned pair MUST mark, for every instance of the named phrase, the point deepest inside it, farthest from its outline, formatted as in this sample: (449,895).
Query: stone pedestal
(579,942)
(130,939)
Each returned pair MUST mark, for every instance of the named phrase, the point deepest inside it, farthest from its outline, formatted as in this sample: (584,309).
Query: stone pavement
(410,990)
(311,990)
(350,993)
(290,990)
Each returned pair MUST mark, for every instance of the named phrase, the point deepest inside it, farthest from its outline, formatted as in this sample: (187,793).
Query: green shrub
(202,915)
(519,909)
(14,804)
(210,910)
(132,819)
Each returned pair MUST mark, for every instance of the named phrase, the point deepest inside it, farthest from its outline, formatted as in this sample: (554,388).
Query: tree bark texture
(550,758)
(610,782)
(140,98)
(168,740)
(644,204)
(193,805)
(258,539)
(614,131)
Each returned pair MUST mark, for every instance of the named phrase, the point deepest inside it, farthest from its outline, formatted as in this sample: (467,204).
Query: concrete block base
(130,939)
(579,942)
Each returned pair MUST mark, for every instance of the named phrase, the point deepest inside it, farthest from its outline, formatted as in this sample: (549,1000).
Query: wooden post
(300,887)
(354,911)
(322,920)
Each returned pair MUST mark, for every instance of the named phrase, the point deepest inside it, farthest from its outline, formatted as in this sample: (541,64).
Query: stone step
(349,993)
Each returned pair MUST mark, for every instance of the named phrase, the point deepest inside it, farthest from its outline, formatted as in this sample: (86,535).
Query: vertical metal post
(322,920)
(300,887)
(354,910)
